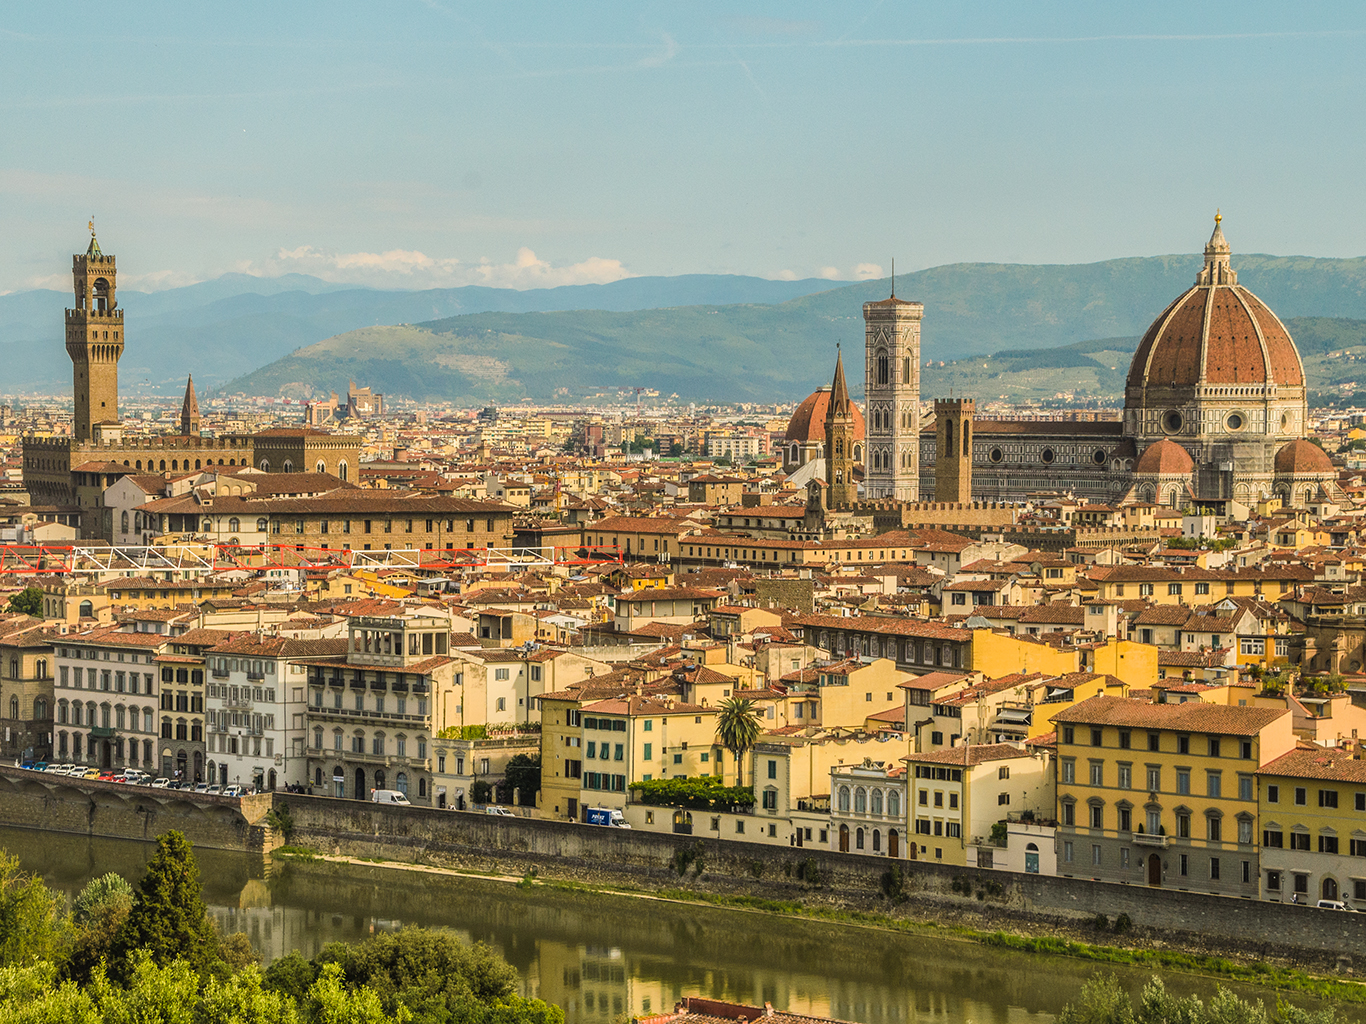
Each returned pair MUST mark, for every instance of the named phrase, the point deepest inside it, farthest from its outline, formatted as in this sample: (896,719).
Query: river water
(601,956)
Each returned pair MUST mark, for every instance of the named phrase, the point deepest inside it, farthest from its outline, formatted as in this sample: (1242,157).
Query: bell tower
(94,340)
(839,443)
(891,403)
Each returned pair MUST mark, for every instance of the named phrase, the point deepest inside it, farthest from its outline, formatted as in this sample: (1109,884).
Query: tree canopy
(168,919)
(28,601)
(737,727)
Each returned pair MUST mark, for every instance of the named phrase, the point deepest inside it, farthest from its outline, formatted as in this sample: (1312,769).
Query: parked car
(214,790)
(1332,905)
(201,787)
(389,796)
(160,783)
(234,791)
(91,773)
(501,812)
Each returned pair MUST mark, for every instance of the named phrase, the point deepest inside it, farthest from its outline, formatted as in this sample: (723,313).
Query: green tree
(737,727)
(28,601)
(433,976)
(523,773)
(32,926)
(97,916)
(168,919)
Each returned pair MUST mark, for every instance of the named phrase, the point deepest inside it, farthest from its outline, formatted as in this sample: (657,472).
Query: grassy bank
(1042,939)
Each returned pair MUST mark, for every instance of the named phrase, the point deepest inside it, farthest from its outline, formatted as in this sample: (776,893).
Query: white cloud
(785,275)
(868,271)
(829,273)
(408,268)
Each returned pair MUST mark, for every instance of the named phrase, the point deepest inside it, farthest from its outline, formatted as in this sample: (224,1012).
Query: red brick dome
(808,422)
(1216,333)
(1165,458)
(1300,457)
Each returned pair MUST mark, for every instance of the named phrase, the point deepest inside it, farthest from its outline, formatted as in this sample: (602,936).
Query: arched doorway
(379,780)
(271,780)
(401,782)
(844,839)
(198,766)
(106,755)
(1155,870)
(893,844)
(1031,859)
(683,823)
(360,793)
(1330,889)
(180,761)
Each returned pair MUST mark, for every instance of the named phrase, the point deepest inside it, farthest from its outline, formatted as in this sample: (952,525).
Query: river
(601,956)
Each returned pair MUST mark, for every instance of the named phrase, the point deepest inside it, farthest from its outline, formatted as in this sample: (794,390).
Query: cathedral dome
(1301,457)
(1218,332)
(808,422)
(1165,458)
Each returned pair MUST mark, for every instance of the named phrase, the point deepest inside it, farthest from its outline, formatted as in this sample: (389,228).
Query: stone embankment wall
(982,898)
(119,811)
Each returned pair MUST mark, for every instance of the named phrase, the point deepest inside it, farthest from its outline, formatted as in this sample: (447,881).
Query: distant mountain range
(703,337)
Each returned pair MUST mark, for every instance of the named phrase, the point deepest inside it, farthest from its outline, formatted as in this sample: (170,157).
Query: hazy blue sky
(408,143)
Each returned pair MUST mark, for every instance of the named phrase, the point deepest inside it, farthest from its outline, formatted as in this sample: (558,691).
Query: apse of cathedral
(1215,411)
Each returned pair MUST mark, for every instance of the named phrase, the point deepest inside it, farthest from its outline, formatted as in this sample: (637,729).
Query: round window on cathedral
(1172,422)
(1047,456)
(996,455)
(1098,456)
(1235,421)
(1285,421)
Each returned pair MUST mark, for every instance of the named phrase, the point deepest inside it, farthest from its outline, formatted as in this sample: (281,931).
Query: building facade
(892,398)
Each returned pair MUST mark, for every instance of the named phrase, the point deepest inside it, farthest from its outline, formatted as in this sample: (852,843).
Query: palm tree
(737,727)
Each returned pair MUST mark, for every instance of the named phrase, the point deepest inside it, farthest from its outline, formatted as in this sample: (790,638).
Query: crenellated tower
(94,340)
(953,449)
(892,397)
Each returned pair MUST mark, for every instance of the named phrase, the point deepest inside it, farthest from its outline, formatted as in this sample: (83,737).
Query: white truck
(605,816)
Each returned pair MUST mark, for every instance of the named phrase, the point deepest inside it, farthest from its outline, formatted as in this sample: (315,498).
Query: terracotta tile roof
(1189,717)
(933,680)
(1331,765)
(969,754)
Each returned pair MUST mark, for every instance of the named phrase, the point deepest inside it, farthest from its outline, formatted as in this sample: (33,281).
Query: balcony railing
(1151,839)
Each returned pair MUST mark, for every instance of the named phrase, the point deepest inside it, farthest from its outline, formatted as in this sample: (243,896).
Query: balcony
(1150,839)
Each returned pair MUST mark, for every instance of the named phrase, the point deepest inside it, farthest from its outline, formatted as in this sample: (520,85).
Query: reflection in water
(603,956)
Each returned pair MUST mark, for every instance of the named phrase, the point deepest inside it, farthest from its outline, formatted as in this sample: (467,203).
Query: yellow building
(1164,795)
(851,690)
(1054,694)
(999,654)
(957,795)
(1313,841)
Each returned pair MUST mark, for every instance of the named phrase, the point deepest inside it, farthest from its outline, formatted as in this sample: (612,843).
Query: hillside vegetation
(1025,331)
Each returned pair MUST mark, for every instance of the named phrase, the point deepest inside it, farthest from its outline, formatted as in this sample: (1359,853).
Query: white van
(388,796)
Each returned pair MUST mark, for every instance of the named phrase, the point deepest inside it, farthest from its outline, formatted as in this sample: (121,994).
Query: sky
(430,143)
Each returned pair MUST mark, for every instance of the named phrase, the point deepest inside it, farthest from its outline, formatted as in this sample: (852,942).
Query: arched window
(318,738)
(844,798)
(967,439)
(401,783)
(234,525)
(906,370)
(163,465)
(877,841)
(883,374)
(208,526)
(289,466)
(14,707)
(14,668)
(123,522)
(421,787)
(858,839)
(262,526)
(196,463)
(860,801)
(264,465)
(948,439)
(341,471)
(877,804)
(321,467)
(894,803)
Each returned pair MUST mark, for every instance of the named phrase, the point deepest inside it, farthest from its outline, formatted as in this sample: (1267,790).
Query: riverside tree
(168,919)
(1103,1001)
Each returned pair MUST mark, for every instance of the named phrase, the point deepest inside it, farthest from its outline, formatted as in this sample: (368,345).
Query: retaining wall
(594,854)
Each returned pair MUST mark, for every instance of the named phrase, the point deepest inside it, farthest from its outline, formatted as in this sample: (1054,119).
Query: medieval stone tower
(94,341)
(892,398)
(953,449)
(189,411)
(839,443)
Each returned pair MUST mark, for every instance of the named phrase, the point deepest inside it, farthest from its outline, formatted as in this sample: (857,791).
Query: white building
(256,710)
(868,809)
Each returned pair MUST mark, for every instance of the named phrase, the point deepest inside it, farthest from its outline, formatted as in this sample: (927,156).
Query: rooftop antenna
(893,277)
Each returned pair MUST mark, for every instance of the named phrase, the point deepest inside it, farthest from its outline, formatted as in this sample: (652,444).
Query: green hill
(1040,321)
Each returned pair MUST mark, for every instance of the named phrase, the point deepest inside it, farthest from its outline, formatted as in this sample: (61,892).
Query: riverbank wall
(109,810)
(980,899)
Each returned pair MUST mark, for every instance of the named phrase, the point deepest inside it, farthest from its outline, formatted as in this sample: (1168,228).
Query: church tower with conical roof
(94,341)
(189,411)
(892,398)
(840,446)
